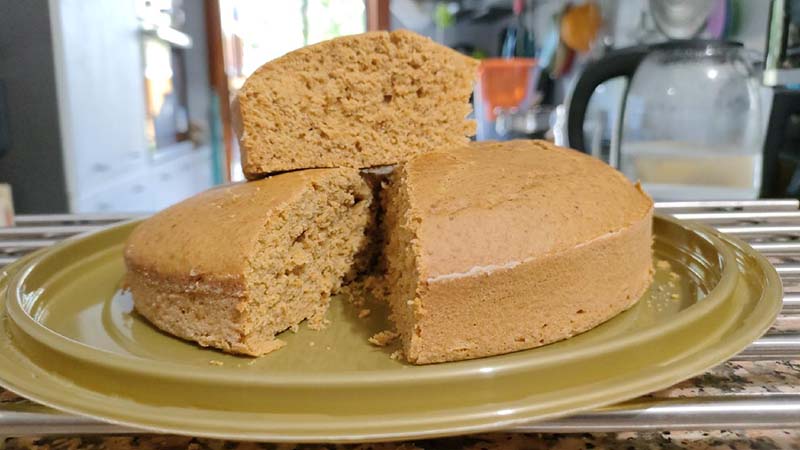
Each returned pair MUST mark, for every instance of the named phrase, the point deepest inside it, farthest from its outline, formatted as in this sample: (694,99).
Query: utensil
(719,18)
(580,25)
(680,19)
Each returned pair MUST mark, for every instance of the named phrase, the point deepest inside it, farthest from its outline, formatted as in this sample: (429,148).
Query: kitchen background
(123,106)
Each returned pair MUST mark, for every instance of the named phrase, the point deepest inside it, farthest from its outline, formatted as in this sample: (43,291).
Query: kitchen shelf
(760,397)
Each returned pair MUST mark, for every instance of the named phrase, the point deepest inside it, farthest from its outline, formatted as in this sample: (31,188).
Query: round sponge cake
(503,246)
(232,267)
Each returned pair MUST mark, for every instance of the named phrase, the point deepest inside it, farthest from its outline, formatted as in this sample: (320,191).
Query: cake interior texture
(357,101)
(304,256)
(399,229)
(264,257)
(499,247)
(488,248)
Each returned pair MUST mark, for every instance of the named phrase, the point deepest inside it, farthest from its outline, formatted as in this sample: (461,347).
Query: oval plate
(70,340)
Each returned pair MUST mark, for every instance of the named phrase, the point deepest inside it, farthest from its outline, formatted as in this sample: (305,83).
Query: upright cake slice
(356,101)
(497,247)
(233,266)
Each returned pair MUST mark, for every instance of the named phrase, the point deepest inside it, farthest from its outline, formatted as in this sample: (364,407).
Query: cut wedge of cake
(232,267)
(357,101)
(498,247)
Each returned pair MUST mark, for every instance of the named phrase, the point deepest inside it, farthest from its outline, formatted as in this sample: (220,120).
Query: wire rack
(770,226)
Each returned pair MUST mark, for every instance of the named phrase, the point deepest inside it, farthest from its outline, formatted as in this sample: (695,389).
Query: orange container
(505,83)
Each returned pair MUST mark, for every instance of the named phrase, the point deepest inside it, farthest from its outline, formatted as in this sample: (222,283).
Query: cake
(502,246)
(487,248)
(232,267)
(357,101)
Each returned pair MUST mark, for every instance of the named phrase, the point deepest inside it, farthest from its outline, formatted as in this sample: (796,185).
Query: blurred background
(123,106)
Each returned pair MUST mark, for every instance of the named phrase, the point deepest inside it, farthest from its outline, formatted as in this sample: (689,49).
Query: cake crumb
(363,313)
(376,286)
(363,288)
(311,344)
(674,275)
(383,338)
(294,328)
(327,347)
(353,294)
(663,264)
(215,362)
(397,355)
(317,324)
(675,296)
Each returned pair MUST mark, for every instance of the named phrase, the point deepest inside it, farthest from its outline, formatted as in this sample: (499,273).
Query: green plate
(71,341)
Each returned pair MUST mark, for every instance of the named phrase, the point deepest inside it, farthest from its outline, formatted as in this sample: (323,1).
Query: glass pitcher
(690,125)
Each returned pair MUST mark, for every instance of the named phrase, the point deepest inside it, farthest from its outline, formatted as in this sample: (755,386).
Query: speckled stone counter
(738,440)
(762,377)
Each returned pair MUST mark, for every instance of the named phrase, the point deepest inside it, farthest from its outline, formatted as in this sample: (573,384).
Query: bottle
(519,40)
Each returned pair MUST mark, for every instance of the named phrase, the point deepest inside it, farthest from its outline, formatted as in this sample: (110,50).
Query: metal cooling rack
(770,226)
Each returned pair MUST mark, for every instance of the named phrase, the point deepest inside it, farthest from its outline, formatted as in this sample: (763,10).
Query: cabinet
(100,89)
(73,72)
(181,178)
(129,196)
(99,69)
(155,187)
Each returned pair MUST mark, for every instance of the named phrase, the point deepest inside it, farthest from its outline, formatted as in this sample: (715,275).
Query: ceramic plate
(70,340)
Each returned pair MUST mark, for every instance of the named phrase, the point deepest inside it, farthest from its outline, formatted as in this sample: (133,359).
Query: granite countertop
(736,440)
(761,377)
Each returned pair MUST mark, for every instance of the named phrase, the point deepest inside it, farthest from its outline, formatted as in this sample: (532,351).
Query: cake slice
(232,267)
(356,101)
(497,247)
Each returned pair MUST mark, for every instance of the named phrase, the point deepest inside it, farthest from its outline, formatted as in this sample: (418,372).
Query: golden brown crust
(513,200)
(506,242)
(541,301)
(204,242)
(233,266)
(210,319)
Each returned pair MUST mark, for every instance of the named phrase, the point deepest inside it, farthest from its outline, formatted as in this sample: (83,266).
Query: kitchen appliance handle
(619,63)
(785,106)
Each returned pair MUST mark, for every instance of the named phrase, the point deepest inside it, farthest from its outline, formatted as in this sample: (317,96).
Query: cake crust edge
(527,315)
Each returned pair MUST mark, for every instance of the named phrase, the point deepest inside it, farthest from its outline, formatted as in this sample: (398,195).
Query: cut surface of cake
(497,247)
(356,101)
(232,267)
